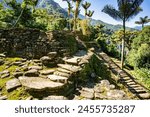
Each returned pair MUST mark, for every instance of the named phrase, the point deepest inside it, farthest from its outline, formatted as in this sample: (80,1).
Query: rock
(105,82)
(37,61)
(12,84)
(53,97)
(57,78)
(45,60)
(17,63)
(1,62)
(100,96)
(145,95)
(69,67)
(5,75)
(99,89)
(73,61)
(52,54)
(61,74)
(88,90)
(3,97)
(115,94)
(2,55)
(4,72)
(112,86)
(40,84)
(18,74)
(32,73)
(0,93)
(35,67)
(87,95)
(29,98)
(47,72)
(64,70)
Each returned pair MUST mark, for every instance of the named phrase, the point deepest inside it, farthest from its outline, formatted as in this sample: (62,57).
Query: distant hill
(53,7)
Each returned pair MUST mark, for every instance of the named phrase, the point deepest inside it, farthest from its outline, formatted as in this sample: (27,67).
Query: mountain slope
(52,7)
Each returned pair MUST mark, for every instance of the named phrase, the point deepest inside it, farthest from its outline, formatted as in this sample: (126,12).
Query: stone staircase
(126,79)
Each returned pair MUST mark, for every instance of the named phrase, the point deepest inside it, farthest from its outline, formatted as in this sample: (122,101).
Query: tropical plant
(86,5)
(90,13)
(143,20)
(126,10)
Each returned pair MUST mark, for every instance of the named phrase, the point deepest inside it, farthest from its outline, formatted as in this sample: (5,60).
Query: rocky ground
(32,79)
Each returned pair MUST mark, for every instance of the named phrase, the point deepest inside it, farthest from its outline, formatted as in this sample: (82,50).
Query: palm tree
(126,10)
(76,12)
(69,11)
(86,6)
(143,20)
(90,13)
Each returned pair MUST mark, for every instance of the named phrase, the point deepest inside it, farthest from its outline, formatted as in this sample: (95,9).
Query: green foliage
(139,56)
(143,75)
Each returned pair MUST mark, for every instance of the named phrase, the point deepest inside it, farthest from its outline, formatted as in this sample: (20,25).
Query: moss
(13,59)
(3,81)
(18,94)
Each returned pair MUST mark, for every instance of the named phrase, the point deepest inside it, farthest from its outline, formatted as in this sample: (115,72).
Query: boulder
(40,84)
(32,73)
(45,60)
(12,84)
(52,54)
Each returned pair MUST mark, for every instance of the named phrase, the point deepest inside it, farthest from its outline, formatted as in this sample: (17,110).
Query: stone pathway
(126,79)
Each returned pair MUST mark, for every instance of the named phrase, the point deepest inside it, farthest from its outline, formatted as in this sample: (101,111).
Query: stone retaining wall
(32,43)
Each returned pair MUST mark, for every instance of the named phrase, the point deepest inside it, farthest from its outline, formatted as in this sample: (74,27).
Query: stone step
(57,78)
(62,74)
(40,84)
(47,72)
(55,97)
(145,95)
(73,61)
(69,67)
(63,70)
(138,91)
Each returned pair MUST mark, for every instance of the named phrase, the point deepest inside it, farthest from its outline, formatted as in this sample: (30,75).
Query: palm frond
(111,11)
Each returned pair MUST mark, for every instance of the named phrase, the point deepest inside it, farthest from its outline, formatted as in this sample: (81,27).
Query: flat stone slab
(35,67)
(40,84)
(61,74)
(3,97)
(12,84)
(57,78)
(18,74)
(69,67)
(64,70)
(32,73)
(74,60)
(145,95)
(47,72)
(53,97)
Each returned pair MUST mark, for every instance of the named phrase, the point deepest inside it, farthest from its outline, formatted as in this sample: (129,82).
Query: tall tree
(76,12)
(24,5)
(86,5)
(127,9)
(69,10)
(143,20)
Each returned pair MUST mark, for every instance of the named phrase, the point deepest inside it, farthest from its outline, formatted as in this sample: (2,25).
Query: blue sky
(97,6)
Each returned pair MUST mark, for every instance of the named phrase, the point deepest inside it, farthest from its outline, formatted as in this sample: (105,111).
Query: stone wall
(32,43)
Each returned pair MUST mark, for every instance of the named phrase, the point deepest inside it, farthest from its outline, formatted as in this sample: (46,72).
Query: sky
(97,6)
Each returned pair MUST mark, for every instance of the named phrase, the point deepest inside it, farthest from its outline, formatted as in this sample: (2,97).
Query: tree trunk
(76,15)
(123,46)
(18,18)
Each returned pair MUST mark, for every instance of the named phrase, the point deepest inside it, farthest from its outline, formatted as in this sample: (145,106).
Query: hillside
(55,8)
